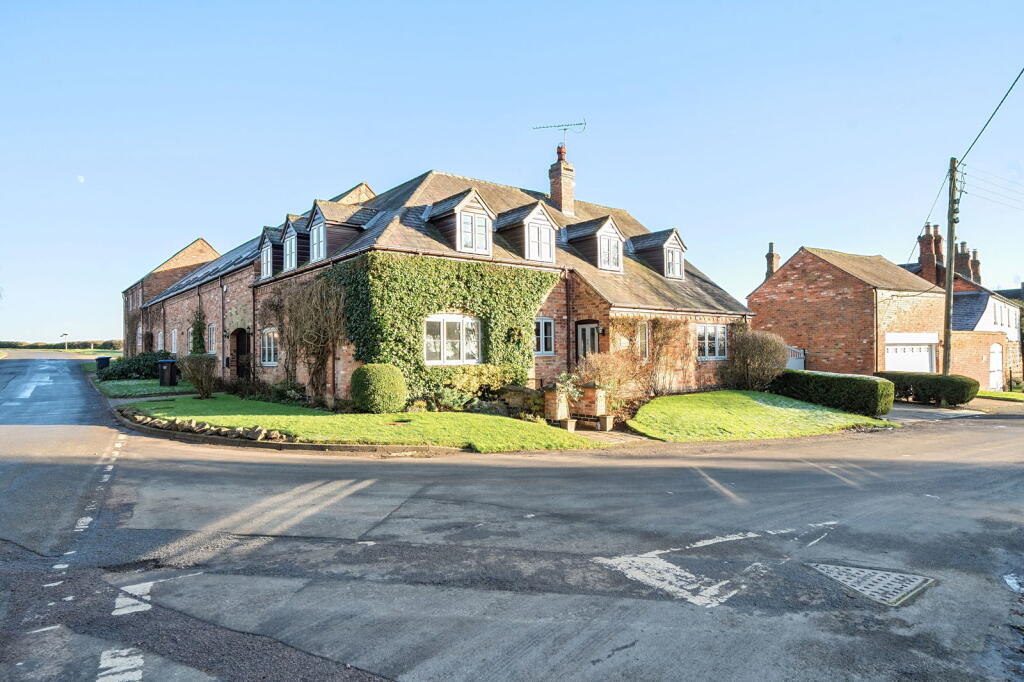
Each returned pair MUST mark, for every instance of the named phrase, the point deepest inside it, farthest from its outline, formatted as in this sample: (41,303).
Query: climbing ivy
(388,296)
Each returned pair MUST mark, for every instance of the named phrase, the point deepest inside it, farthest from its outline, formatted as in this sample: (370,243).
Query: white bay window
(452,340)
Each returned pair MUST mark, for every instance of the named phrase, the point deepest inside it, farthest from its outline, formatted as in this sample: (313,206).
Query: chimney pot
(563,184)
(773,259)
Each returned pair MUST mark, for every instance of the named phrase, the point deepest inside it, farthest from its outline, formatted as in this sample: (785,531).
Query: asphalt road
(126,557)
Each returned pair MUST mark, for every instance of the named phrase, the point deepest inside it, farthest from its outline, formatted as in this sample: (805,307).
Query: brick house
(613,279)
(864,314)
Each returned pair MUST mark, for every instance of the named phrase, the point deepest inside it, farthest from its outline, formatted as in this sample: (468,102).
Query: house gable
(465,220)
(530,231)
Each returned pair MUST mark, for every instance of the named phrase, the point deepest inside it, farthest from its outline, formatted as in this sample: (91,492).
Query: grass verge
(91,351)
(130,388)
(479,432)
(740,415)
(1011,396)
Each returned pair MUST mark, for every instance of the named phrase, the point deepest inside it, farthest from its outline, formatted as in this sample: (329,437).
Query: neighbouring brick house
(864,314)
(612,279)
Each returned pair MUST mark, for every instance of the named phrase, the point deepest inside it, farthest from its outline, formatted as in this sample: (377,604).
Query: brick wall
(821,309)
(972,356)
(547,368)
(912,312)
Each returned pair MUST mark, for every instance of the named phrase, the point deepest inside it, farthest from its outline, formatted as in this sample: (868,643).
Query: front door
(240,354)
(586,339)
(995,367)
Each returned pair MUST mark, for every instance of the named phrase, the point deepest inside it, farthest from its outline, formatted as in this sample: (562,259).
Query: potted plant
(566,390)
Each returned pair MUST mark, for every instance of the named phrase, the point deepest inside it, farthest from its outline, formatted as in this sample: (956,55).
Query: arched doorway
(240,355)
(995,367)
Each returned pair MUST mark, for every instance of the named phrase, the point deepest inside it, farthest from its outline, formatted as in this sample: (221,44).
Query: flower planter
(568,424)
(605,422)
(556,405)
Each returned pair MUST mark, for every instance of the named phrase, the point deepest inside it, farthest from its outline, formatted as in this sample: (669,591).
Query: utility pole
(952,211)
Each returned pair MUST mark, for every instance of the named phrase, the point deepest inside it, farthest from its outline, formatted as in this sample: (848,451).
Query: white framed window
(540,239)
(317,242)
(211,338)
(290,253)
(712,342)
(174,342)
(138,340)
(268,348)
(159,340)
(674,263)
(543,336)
(473,229)
(188,341)
(452,340)
(643,339)
(610,252)
(266,261)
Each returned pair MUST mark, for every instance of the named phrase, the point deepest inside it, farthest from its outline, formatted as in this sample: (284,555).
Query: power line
(979,188)
(984,198)
(995,179)
(993,115)
(989,183)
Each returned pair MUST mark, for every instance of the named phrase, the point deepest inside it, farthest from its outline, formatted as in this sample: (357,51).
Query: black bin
(168,373)
(102,362)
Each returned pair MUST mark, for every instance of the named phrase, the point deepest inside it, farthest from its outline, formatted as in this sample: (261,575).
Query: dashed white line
(120,665)
(53,584)
(82,523)
(814,542)
(69,553)
(69,598)
(109,467)
(822,524)
(59,567)
(105,478)
(47,628)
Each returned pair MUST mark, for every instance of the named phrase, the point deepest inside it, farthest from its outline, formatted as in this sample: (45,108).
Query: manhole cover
(884,587)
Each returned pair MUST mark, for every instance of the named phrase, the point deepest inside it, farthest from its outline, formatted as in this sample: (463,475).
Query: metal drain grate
(884,587)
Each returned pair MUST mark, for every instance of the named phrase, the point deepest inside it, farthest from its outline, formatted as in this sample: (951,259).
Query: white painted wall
(1000,317)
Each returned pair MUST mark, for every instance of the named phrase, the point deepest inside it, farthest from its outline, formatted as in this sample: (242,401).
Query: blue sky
(128,129)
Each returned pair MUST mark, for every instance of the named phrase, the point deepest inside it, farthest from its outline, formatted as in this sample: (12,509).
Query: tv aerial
(565,128)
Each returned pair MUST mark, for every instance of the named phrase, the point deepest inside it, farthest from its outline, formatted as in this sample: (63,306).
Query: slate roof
(273,234)
(515,216)
(1016,295)
(585,229)
(393,220)
(237,257)
(300,223)
(912,267)
(653,240)
(875,271)
(968,307)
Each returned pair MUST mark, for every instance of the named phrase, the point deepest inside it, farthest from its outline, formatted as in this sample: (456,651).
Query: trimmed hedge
(379,388)
(929,388)
(860,394)
(140,366)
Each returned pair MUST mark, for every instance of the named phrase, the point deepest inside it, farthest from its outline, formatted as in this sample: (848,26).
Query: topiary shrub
(860,394)
(379,388)
(755,359)
(201,372)
(929,388)
(141,366)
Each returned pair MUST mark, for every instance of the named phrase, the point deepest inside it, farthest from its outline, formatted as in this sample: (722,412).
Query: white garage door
(909,357)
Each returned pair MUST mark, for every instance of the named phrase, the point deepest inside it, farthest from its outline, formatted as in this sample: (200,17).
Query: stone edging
(271,445)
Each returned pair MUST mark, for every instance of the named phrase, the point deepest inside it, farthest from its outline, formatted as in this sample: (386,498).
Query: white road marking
(824,523)
(368,543)
(120,665)
(124,605)
(723,538)
(935,496)
(59,567)
(105,478)
(529,516)
(781,531)
(70,598)
(68,553)
(48,627)
(118,445)
(109,467)
(53,584)
(658,573)
(1014,582)
(121,436)
(814,542)
(82,523)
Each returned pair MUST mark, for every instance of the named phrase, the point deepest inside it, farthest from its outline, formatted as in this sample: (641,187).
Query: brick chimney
(563,184)
(976,266)
(773,259)
(931,257)
(962,261)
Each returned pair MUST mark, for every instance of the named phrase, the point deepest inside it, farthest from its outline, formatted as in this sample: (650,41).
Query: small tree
(200,371)
(315,321)
(198,325)
(755,358)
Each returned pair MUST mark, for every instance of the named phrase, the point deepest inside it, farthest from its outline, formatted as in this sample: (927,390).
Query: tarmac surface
(126,557)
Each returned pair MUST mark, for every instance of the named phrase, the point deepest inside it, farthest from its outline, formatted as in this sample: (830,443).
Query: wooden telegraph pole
(951,220)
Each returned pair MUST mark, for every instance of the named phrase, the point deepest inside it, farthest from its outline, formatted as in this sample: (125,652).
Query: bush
(288,392)
(248,389)
(448,399)
(621,373)
(201,372)
(755,359)
(928,388)
(867,395)
(141,366)
(379,388)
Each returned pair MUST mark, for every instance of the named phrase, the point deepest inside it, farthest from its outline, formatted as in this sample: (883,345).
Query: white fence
(796,358)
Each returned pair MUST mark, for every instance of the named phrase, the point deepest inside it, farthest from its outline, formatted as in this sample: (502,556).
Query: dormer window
(266,261)
(540,242)
(473,231)
(317,242)
(290,253)
(610,257)
(674,263)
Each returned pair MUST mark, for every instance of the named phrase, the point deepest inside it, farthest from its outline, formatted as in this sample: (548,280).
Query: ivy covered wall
(388,296)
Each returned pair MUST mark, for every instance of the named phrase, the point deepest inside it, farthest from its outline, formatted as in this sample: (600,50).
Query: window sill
(438,363)
(713,359)
(543,355)
(268,364)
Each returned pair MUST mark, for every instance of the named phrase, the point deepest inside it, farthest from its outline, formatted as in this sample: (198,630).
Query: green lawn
(129,388)
(91,351)
(740,415)
(482,433)
(1002,395)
